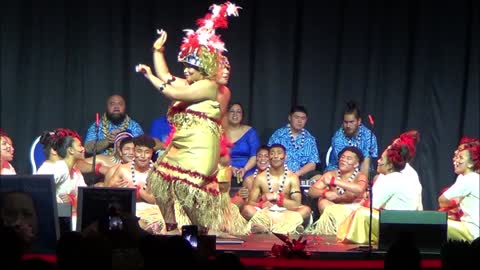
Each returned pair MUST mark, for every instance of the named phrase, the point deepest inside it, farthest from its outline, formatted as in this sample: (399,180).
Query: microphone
(97,119)
(370,119)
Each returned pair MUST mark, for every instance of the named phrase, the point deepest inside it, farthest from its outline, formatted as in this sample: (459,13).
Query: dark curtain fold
(410,64)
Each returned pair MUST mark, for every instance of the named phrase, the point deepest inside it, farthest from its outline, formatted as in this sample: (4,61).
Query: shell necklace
(132,169)
(292,139)
(340,190)
(269,183)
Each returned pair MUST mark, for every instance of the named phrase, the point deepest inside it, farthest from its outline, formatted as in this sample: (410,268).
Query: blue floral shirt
(365,140)
(297,157)
(133,128)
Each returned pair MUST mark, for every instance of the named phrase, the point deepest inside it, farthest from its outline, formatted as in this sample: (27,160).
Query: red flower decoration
(291,249)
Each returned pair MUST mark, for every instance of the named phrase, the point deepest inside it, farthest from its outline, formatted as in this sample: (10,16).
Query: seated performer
(134,175)
(262,160)
(339,192)
(392,190)
(67,177)
(245,143)
(274,203)
(112,122)
(123,152)
(6,154)
(463,195)
(411,139)
(464,141)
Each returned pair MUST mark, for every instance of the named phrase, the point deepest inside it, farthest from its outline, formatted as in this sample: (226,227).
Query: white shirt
(466,188)
(397,191)
(7,169)
(64,182)
(410,172)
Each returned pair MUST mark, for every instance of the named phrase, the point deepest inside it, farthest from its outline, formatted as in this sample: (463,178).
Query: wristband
(97,168)
(162,87)
(73,200)
(280,199)
(322,195)
(171,80)
(260,204)
(137,192)
(453,203)
(332,181)
(161,49)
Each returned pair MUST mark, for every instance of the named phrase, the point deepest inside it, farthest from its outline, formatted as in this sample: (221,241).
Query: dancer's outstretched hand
(162,38)
(144,69)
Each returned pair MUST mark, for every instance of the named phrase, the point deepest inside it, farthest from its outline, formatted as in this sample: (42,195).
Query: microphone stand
(369,248)
(94,157)
(370,187)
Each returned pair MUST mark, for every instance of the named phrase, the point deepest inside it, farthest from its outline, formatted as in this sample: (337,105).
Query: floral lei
(105,129)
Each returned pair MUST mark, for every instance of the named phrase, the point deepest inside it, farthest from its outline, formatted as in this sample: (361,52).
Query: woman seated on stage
(338,192)
(392,190)
(6,154)
(411,138)
(67,177)
(245,143)
(463,195)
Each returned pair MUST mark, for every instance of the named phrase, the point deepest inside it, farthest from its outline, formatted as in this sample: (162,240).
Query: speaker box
(427,229)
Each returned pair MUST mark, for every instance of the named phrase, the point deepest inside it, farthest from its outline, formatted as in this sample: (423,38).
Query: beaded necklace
(269,183)
(292,139)
(340,190)
(132,169)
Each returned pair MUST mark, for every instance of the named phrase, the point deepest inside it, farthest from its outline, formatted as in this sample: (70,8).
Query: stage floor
(325,253)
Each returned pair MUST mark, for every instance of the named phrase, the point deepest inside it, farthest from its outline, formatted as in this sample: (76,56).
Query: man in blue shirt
(113,121)
(302,151)
(159,131)
(353,133)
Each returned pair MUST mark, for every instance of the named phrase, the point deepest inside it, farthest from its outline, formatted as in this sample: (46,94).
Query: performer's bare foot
(172,229)
(258,228)
(156,228)
(172,232)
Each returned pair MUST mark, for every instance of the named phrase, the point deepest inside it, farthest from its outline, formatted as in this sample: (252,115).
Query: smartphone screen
(115,223)
(190,233)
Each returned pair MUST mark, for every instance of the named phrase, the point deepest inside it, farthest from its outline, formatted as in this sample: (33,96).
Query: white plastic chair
(327,157)
(37,157)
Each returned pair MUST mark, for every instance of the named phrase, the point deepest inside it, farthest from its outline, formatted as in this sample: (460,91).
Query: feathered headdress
(203,48)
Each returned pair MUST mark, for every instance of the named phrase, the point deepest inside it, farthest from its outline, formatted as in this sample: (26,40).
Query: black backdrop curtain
(410,64)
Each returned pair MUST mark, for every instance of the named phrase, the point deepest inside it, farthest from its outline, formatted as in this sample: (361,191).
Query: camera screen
(115,223)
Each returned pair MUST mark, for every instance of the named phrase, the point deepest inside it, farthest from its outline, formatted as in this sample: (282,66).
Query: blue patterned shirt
(365,140)
(296,158)
(133,127)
